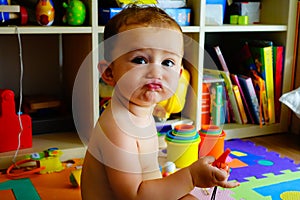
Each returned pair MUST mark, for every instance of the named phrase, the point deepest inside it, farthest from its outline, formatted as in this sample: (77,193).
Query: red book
(278,52)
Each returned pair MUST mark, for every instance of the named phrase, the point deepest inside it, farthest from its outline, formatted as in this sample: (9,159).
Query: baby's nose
(155,71)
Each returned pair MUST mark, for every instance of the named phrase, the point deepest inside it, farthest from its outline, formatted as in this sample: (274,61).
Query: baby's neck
(134,120)
(137,113)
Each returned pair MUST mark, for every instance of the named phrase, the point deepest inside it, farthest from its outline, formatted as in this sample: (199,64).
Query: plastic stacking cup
(211,130)
(211,144)
(182,145)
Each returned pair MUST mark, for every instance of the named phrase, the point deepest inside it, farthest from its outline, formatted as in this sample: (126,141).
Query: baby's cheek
(174,85)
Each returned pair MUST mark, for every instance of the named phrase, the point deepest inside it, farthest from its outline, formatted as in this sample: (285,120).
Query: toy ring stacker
(47,161)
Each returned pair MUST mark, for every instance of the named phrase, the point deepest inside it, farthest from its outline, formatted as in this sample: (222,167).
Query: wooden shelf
(185,29)
(68,142)
(45,29)
(248,130)
(246,28)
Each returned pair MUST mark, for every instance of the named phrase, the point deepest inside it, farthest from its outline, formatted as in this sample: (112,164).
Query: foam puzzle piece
(22,189)
(290,195)
(270,187)
(258,158)
(54,186)
(200,193)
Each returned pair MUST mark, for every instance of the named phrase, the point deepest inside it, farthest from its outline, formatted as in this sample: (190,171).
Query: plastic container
(182,145)
(222,2)
(182,154)
(210,129)
(205,107)
(211,145)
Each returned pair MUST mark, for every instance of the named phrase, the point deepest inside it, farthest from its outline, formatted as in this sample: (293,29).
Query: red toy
(221,161)
(221,164)
(10,125)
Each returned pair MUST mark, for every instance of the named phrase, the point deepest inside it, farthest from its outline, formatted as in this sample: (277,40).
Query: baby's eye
(168,63)
(139,60)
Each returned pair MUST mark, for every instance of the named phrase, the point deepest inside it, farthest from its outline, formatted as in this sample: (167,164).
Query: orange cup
(211,145)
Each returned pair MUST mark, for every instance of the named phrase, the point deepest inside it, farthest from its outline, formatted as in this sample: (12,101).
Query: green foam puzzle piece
(246,189)
(23,189)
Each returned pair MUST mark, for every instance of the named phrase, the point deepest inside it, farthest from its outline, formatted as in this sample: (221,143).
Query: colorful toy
(221,164)
(212,143)
(75,12)
(126,2)
(168,168)
(75,177)
(75,174)
(47,161)
(221,161)
(9,12)
(182,145)
(45,12)
(10,126)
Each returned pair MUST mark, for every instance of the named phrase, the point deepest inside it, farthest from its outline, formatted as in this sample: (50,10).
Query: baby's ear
(106,73)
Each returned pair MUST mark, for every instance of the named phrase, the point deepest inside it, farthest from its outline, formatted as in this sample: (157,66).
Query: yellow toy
(175,104)
(47,161)
(51,161)
(75,177)
(125,2)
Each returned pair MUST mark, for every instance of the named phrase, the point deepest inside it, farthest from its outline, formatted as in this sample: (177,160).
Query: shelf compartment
(68,142)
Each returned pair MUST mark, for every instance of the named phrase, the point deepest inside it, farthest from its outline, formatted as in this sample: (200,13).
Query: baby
(143,57)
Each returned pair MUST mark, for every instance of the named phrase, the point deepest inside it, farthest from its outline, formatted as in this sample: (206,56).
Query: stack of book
(213,100)
(253,93)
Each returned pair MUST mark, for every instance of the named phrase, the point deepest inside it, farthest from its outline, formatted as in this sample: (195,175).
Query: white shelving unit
(278,19)
(277,24)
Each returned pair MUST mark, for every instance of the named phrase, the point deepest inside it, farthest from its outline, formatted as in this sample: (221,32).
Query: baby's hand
(205,175)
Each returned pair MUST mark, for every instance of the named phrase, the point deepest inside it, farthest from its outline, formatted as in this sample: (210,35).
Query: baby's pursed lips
(154,86)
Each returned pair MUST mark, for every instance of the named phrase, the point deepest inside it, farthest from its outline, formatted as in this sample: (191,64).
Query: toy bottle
(45,12)
(75,12)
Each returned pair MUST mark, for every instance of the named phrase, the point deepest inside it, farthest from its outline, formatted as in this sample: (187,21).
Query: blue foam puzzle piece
(257,156)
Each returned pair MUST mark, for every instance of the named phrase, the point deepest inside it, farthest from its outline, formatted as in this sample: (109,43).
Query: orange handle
(23,173)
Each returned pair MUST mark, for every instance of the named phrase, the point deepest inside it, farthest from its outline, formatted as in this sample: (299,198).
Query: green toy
(75,12)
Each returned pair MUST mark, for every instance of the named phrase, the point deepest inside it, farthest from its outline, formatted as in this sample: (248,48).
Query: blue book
(251,98)
(218,108)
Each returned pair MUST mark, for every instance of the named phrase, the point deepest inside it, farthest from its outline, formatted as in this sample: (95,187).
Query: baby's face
(147,64)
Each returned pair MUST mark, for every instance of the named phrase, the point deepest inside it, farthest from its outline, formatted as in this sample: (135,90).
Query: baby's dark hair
(139,15)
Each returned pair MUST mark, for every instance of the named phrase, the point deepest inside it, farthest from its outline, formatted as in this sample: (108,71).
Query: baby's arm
(131,186)
(176,186)
(134,170)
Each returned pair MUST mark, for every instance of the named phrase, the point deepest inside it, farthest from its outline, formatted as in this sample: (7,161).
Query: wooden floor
(287,145)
